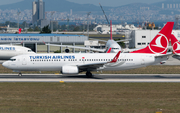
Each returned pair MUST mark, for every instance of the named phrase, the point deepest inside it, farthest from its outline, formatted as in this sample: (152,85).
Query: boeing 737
(75,63)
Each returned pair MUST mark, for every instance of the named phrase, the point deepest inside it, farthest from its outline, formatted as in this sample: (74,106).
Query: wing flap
(161,55)
(78,47)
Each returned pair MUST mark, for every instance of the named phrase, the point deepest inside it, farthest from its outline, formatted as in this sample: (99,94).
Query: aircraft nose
(5,64)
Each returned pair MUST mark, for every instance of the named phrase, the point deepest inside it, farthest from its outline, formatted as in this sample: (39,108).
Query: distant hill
(65,6)
(54,5)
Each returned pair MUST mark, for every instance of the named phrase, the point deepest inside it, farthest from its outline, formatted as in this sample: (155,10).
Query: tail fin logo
(159,44)
(176,47)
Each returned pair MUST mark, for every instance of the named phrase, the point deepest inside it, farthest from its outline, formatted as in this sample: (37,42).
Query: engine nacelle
(67,50)
(70,70)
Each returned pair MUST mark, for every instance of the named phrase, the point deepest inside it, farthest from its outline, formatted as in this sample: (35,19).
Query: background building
(38,14)
(142,38)
(37,41)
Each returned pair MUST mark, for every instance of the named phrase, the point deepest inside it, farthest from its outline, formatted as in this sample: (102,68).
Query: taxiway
(97,78)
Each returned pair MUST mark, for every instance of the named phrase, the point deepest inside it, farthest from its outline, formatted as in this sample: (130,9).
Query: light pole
(88,23)
(52,21)
(67,23)
(18,13)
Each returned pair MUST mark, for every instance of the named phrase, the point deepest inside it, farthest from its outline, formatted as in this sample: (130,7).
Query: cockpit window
(115,48)
(29,50)
(12,59)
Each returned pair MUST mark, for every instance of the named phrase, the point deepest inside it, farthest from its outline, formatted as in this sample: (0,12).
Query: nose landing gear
(20,74)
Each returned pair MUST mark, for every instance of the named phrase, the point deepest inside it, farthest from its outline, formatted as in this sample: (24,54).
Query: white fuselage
(55,62)
(115,47)
(8,51)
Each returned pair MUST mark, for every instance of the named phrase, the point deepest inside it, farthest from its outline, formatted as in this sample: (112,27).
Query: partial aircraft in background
(175,45)
(111,45)
(74,63)
(8,51)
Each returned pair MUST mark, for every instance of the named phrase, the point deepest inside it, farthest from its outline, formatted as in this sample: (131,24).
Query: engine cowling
(70,70)
(67,50)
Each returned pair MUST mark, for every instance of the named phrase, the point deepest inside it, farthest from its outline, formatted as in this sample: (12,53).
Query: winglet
(109,50)
(44,42)
(116,57)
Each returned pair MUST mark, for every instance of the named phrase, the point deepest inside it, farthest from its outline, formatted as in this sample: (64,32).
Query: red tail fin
(175,44)
(19,30)
(160,43)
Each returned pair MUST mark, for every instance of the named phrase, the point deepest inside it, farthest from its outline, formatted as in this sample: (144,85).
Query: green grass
(92,97)
(89,97)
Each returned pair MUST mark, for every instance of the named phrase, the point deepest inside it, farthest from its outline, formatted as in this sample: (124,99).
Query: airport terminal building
(141,38)
(37,41)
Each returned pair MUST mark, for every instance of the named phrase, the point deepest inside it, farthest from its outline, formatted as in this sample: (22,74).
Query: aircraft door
(24,61)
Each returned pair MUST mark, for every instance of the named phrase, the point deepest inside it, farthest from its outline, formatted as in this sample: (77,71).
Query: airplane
(8,51)
(115,47)
(175,45)
(75,63)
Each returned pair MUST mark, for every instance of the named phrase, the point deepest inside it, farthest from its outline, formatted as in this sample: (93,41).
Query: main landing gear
(20,74)
(89,74)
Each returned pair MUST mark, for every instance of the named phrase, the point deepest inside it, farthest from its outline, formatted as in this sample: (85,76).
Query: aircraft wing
(91,67)
(167,54)
(123,40)
(78,47)
(95,66)
(98,40)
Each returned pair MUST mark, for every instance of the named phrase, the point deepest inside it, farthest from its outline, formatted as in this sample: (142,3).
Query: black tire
(20,74)
(89,74)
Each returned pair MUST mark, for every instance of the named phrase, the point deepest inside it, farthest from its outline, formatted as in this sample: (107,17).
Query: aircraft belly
(40,67)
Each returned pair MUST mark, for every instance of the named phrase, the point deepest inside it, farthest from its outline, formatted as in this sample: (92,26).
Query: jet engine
(67,50)
(70,70)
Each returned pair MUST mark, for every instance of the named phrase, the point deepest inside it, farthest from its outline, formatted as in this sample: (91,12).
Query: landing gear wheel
(20,74)
(89,74)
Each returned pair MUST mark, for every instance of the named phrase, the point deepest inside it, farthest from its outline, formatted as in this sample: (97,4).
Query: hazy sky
(112,3)
(2,2)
